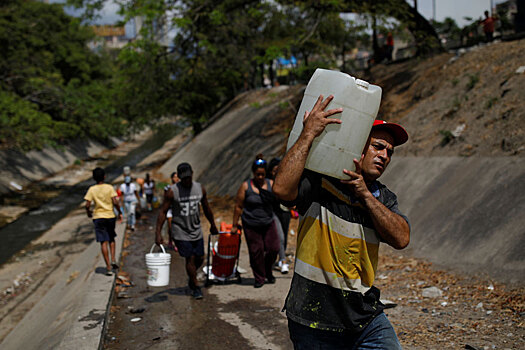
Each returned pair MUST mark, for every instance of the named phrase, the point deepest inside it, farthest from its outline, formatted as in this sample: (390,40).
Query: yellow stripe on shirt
(339,252)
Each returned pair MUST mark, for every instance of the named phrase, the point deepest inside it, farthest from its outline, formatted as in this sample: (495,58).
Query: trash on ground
(16,186)
(459,130)
(136,319)
(122,295)
(73,276)
(432,292)
(138,310)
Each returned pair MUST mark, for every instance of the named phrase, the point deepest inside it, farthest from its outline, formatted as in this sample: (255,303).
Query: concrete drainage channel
(75,308)
(65,303)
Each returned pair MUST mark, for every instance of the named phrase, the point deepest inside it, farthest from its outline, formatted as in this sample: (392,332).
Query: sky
(456,9)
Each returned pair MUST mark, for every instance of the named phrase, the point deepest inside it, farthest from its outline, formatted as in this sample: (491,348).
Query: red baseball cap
(397,131)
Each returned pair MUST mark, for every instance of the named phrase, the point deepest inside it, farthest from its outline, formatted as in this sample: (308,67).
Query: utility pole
(434,10)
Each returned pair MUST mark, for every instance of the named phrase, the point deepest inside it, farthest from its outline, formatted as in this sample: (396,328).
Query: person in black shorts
(184,199)
(105,199)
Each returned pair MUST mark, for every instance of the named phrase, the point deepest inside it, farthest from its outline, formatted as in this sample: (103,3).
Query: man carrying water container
(332,302)
(184,199)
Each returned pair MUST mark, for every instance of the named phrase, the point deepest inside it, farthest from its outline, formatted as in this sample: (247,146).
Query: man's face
(378,152)
(187,181)
(175,178)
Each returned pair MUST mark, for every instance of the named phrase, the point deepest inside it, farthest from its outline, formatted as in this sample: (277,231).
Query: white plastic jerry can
(338,145)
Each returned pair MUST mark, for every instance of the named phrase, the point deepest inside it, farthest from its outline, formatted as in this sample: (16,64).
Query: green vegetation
(446,137)
(472,81)
(52,87)
(159,185)
(284,104)
(491,102)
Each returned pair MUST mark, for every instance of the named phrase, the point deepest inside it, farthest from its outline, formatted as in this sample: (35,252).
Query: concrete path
(73,309)
(231,316)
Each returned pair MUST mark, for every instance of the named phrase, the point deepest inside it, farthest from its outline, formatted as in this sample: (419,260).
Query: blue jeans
(379,334)
(130,212)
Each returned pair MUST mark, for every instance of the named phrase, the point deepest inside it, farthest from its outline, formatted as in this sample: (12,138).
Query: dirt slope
(258,122)
(477,91)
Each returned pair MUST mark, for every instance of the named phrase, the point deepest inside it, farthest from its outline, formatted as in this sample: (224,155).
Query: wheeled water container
(338,145)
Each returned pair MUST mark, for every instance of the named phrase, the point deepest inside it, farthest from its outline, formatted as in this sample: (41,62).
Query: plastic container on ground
(158,265)
(338,145)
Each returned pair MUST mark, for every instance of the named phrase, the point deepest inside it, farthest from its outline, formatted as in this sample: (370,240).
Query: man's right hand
(315,122)
(158,240)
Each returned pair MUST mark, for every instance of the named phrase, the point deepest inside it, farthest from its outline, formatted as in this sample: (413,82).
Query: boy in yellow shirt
(105,199)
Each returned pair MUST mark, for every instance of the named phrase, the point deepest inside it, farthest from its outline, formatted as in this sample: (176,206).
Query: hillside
(459,177)
(476,96)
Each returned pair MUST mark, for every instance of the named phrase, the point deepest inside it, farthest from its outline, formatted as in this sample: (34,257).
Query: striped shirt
(337,255)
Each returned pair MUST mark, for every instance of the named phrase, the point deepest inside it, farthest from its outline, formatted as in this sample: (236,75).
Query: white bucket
(158,265)
(335,149)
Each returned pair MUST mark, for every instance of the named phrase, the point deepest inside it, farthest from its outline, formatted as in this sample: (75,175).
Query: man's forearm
(291,168)
(209,215)
(160,222)
(392,228)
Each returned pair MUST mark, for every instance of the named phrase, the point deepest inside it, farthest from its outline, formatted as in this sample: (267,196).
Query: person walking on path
(489,24)
(130,199)
(283,216)
(184,199)
(332,302)
(254,206)
(389,46)
(149,191)
(106,200)
(169,216)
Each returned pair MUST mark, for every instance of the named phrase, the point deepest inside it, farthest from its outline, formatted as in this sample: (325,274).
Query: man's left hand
(214,230)
(356,183)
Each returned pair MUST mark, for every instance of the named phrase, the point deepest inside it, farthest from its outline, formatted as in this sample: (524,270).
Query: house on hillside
(111,37)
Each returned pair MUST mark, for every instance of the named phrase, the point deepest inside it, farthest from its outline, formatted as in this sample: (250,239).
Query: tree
(424,34)
(52,88)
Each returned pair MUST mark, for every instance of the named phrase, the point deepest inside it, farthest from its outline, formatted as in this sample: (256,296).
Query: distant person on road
(149,191)
(105,199)
(489,24)
(283,216)
(169,216)
(389,46)
(184,199)
(254,206)
(174,179)
(130,200)
(332,303)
